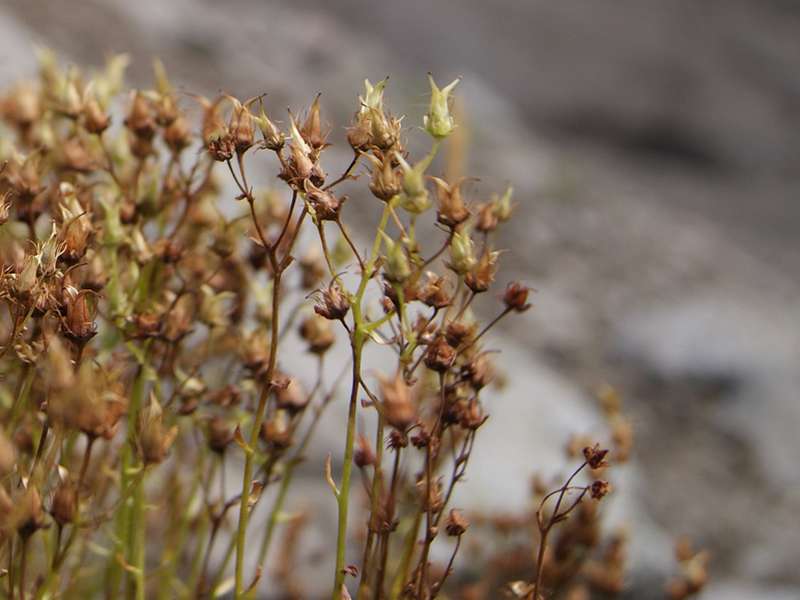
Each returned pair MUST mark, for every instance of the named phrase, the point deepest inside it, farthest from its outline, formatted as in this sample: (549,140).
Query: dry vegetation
(142,364)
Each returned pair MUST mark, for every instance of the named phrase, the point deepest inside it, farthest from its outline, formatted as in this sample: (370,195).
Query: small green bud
(397,267)
(373,97)
(439,122)
(503,206)
(273,137)
(462,252)
(414,196)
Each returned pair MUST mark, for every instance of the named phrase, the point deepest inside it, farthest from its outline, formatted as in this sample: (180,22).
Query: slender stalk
(247,477)
(343,498)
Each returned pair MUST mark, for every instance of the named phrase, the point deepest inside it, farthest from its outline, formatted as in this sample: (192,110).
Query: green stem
(343,498)
(247,478)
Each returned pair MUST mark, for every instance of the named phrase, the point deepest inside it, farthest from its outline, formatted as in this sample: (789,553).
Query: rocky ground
(654,148)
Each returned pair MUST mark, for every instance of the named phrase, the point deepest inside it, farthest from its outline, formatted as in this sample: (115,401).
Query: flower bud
(272,137)
(503,206)
(439,122)
(462,252)
(414,196)
(397,267)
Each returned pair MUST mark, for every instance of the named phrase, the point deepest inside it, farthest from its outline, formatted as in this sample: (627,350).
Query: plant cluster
(146,312)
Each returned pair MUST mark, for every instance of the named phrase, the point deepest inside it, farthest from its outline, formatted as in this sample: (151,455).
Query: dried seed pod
(456,523)
(141,118)
(79,326)
(291,397)
(332,303)
(599,488)
(241,126)
(312,127)
(155,440)
(276,431)
(323,204)
(385,182)
(317,331)
(64,507)
(595,456)
(219,434)
(363,456)
(27,513)
(440,355)
(433,293)
(515,297)
(481,277)
(452,211)
(398,407)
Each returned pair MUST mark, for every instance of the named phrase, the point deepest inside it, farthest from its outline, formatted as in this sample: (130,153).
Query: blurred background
(654,148)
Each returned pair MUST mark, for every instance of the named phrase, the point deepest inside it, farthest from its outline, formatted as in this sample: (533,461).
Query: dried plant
(143,361)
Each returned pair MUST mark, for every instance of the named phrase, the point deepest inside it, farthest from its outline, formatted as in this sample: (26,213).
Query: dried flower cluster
(146,308)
